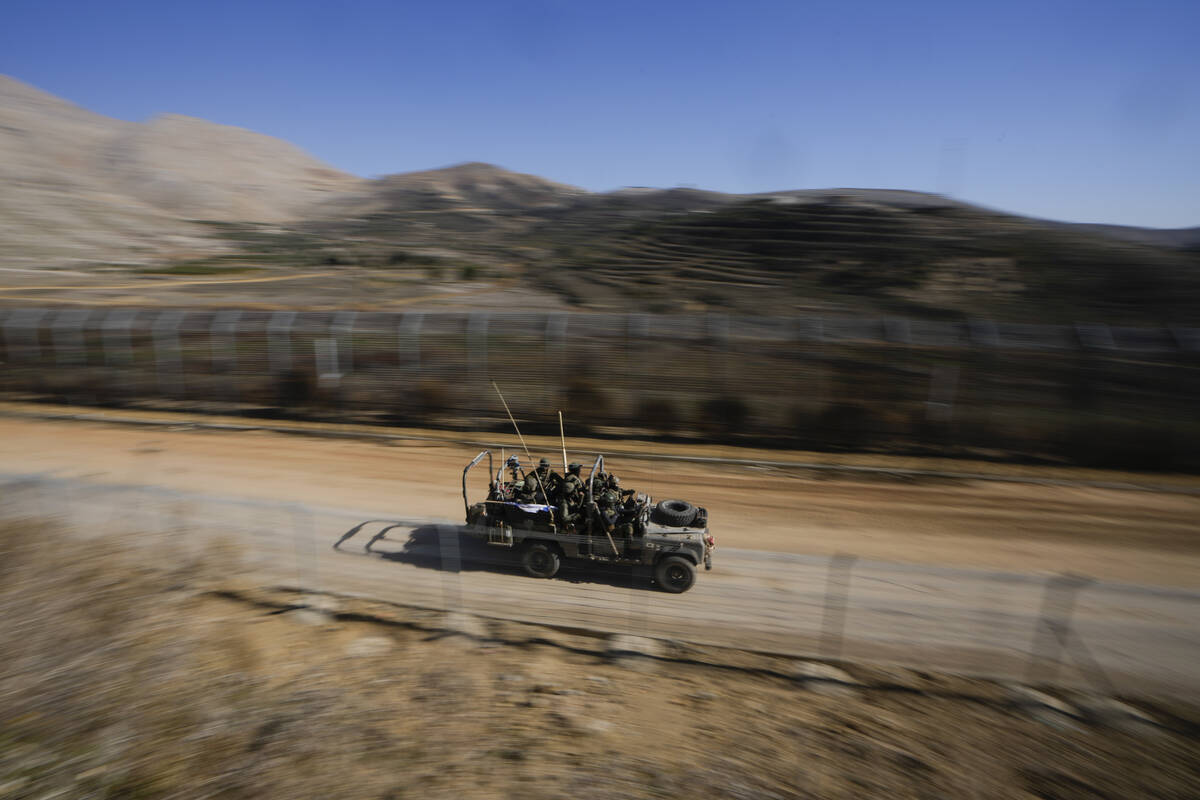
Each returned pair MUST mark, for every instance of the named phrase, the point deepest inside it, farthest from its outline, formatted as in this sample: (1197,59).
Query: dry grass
(124,678)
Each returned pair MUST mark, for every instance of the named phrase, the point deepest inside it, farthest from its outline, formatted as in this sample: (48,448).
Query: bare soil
(1134,536)
(124,678)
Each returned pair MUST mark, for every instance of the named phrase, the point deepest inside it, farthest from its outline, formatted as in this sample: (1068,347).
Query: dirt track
(136,672)
(1132,536)
(951,576)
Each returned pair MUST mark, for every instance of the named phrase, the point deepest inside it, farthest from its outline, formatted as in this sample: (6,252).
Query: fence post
(223,340)
(167,357)
(279,341)
(118,348)
(118,342)
(67,328)
(943,387)
(303,534)
(1053,628)
(451,566)
(325,354)
(24,323)
(409,342)
(342,329)
(222,336)
(837,594)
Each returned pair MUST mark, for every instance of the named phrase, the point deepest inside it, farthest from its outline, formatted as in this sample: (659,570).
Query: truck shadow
(447,548)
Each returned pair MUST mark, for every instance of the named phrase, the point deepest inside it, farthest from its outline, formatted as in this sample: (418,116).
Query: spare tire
(676,513)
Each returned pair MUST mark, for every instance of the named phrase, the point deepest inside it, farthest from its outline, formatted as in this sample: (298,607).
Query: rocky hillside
(81,188)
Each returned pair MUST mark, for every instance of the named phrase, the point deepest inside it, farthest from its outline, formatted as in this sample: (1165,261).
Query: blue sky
(1065,110)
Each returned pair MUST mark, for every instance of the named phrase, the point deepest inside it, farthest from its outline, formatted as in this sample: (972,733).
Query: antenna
(513,420)
(562,436)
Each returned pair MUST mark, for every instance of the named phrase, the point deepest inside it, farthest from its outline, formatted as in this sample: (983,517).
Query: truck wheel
(676,513)
(540,560)
(675,574)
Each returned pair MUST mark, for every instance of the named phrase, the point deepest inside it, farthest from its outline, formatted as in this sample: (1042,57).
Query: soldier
(622,505)
(514,466)
(509,490)
(599,481)
(615,483)
(571,495)
(542,483)
(572,484)
(608,502)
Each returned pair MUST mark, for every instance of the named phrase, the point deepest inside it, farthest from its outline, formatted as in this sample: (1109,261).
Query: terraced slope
(784,252)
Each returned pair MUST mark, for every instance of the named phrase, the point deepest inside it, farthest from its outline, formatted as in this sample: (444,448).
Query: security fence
(801,381)
(1066,630)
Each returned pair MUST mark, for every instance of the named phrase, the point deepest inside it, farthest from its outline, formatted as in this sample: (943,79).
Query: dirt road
(132,673)
(970,596)
(1130,536)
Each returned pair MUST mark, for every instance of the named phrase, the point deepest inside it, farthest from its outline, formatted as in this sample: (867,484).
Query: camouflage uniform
(542,483)
(599,481)
(608,500)
(619,503)
(571,495)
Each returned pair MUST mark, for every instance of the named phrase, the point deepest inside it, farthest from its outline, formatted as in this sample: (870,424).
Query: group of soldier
(567,494)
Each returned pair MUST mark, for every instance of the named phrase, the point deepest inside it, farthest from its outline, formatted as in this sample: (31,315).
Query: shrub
(294,388)
(586,404)
(846,425)
(1120,444)
(725,415)
(658,414)
(430,396)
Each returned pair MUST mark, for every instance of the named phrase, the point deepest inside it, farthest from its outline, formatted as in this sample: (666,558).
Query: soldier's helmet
(614,481)
(574,468)
(545,462)
(513,462)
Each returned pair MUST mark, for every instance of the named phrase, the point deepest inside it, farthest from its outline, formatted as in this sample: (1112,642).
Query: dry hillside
(182,195)
(84,189)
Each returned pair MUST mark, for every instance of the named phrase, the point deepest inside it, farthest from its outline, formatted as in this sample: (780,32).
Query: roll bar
(476,460)
(596,467)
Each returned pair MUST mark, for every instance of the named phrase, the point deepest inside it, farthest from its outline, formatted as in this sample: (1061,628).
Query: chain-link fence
(1053,629)
(1097,394)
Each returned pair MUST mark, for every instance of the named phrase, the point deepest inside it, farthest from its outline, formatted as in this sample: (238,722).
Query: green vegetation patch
(198,268)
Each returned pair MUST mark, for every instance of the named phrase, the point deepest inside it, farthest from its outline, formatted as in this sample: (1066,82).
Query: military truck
(671,537)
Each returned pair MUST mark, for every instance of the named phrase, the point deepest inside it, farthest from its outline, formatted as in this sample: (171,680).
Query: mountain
(83,188)
(836,251)
(198,170)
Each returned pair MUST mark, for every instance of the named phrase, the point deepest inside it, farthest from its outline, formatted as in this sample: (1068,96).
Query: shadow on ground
(449,548)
